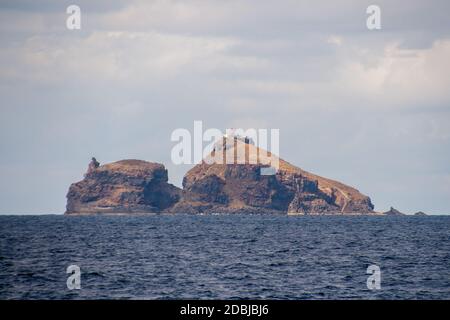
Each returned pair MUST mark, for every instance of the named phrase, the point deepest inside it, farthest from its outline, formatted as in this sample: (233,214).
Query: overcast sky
(368,108)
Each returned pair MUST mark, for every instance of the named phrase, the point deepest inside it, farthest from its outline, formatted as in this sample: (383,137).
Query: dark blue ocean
(224,257)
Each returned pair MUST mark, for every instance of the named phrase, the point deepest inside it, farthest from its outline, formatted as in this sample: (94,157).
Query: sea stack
(393,212)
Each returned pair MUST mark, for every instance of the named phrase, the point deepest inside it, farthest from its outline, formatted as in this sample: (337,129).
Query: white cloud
(123,56)
(336,40)
(270,87)
(399,76)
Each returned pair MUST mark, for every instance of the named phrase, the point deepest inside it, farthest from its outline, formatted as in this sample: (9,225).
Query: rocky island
(393,212)
(139,187)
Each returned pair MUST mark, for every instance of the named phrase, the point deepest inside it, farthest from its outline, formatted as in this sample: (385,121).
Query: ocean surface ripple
(224,257)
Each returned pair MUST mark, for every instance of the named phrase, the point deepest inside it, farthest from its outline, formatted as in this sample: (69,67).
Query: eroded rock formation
(393,212)
(236,188)
(127,186)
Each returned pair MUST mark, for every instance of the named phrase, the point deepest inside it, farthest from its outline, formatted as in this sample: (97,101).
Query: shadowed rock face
(133,186)
(241,188)
(127,186)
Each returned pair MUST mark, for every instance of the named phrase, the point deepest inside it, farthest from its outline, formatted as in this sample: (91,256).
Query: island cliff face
(133,186)
(242,188)
(127,186)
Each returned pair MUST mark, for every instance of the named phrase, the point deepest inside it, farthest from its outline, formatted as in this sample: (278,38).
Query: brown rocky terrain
(133,186)
(235,188)
(127,186)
